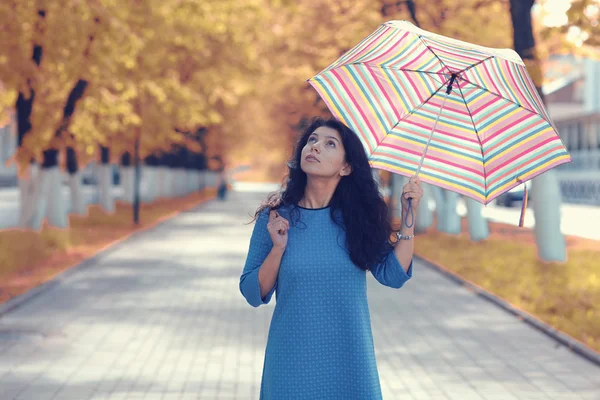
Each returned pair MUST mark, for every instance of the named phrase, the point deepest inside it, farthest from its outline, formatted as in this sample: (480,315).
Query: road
(160,316)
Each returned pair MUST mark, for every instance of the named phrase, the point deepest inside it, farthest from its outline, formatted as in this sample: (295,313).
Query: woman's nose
(315,147)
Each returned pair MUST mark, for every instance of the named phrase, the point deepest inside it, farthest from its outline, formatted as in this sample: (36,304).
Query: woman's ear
(346,170)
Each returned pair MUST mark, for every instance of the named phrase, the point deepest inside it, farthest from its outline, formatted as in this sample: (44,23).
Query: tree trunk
(137,177)
(56,208)
(478,225)
(452,224)
(28,187)
(424,212)
(149,181)
(78,203)
(448,220)
(105,179)
(545,191)
(396,183)
(56,211)
(127,178)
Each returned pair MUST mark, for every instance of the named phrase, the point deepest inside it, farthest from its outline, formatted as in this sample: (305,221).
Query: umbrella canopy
(463,117)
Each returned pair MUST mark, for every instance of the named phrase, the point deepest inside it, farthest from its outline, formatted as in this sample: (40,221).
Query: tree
(545,191)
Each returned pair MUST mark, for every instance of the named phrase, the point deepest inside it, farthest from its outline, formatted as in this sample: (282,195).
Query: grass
(564,295)
(29,258)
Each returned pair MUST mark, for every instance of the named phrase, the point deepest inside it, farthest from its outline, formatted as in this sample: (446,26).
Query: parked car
(514,195)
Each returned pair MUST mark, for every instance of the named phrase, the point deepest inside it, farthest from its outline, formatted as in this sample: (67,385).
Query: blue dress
(320,344)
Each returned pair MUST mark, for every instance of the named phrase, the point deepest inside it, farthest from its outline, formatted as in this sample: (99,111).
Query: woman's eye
(311,139)
(331,143)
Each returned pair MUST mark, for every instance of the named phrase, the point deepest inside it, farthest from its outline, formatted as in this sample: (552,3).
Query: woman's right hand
(278,229)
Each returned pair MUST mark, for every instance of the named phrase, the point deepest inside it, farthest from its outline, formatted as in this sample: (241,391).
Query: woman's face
(324,154)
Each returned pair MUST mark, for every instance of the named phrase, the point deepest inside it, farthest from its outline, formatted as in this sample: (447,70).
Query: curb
(18,301)
(562,338)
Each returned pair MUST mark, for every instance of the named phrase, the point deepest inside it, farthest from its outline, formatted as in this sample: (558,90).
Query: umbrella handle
(412,214)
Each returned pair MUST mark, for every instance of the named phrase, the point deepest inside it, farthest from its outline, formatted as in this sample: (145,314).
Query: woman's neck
(318,193)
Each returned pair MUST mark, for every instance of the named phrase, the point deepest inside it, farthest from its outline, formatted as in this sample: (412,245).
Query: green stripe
(443,178)
(401,92)
(440,166)
(434,145)
(531,167)
(361,84)
(515,141)
(333,95)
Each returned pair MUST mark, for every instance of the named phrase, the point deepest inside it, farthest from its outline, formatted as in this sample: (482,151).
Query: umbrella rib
(504,98)
(433,52)
(476,64)
(478,138)
(411,112)
(410,70)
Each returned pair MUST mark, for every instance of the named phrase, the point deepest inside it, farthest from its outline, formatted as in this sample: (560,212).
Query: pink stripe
(490,171)
(509,124)
(401,79)
(366,45)
(392,48)
(357,105)
(425,178)
(414,60)
(532,89)
(391,103)
(486,105)
(456,110)
(405,161)
(505,155)
(376,97)
(444,132)
(343,104)
(512,172)
(537,173)
(517,87)
(458,56)
(491,79)
(429,156)
(440,139)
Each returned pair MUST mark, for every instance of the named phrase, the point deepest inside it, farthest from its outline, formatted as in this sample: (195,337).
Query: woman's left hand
(412,190)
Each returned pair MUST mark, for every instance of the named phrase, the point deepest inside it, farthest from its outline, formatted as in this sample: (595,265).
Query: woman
(313,242)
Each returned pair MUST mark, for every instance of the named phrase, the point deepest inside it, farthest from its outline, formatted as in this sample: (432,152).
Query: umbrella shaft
(431,135)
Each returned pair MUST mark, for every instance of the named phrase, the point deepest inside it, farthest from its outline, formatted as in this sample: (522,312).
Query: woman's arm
(267,274)
(259,277)
(405,248)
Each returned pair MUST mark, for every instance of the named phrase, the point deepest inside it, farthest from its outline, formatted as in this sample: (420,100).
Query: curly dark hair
(365,214)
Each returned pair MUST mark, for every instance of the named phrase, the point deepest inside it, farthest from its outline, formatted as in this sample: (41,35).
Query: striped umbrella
(463,117)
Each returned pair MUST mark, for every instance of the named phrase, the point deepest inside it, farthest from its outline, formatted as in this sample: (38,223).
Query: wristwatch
(404,237)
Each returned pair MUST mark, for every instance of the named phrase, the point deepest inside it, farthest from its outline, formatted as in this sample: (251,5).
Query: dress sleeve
(260,246)
(390,272)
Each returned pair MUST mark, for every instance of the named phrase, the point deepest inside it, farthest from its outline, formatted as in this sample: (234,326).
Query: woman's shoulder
(283,210)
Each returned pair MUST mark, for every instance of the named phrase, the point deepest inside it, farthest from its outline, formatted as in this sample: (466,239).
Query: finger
(411,195)
(282,229)
(272,215)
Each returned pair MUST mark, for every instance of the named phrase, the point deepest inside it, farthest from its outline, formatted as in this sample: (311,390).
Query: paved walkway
(161,317)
